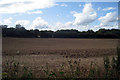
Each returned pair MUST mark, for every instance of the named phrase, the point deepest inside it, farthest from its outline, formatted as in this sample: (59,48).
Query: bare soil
(79,47)
(37,52)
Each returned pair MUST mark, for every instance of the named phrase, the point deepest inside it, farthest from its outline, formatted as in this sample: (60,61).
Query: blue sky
(59,15)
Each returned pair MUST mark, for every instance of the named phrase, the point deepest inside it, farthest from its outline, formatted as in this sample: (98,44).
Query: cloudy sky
(51,15)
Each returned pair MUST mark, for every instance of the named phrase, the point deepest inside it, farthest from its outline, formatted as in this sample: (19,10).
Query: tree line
(21,32)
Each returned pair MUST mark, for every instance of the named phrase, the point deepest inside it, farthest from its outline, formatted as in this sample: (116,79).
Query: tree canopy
(20,31)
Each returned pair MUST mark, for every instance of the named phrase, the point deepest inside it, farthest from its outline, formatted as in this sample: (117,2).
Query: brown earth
(69,47)
(36,52)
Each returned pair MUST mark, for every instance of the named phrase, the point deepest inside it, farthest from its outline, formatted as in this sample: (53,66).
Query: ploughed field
(79,47)
(37,52)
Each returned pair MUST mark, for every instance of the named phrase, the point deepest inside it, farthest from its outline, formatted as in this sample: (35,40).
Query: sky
(51,15)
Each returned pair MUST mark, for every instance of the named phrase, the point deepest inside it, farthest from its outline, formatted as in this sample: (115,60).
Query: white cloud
(87,16)
(68,24)
(79,5)
(81,19)
(108,18)
(58,26)
(98,8)
(64,5)
(40,23)
(21,6)
(109,21)
(23,22)
(0,22)
(58,15)
(96,27)
(83,27)
(108,8)
(7,21)
(35,12)
(73,12)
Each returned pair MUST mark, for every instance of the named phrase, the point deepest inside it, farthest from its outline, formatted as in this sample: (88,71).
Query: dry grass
(38,62)
(35,52)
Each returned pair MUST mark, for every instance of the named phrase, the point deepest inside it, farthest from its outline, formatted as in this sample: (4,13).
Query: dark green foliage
(20,31)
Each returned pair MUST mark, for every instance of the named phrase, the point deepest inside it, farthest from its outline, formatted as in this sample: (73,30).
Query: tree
(4,26)
(20,31)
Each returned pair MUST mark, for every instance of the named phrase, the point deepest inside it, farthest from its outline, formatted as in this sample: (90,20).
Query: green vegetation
(20,31)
